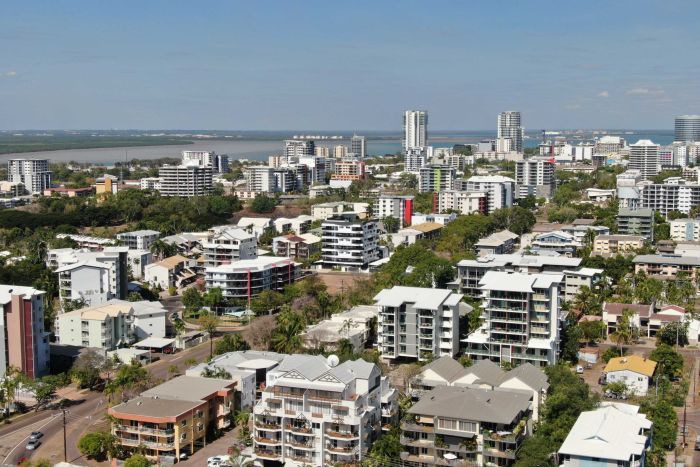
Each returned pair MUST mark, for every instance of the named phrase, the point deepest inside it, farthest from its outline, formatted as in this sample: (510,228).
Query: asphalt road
(85,415)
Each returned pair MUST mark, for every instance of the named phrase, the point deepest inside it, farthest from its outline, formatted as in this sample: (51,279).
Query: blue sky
(330,65)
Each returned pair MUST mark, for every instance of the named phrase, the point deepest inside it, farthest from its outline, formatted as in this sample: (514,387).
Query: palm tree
(240,461)
(286,337)
(242,418)
(208,322)
(624,331)
(179,326)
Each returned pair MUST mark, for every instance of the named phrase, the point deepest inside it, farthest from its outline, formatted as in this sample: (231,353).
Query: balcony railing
(267,454)
(348,435)
(148,444)
(143,429)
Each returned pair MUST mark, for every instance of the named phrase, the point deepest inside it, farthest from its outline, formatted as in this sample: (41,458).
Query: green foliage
(670,362)
(386,449)
(263,204)
(612,352)
(593,331)
(132,376)
(192,299)
(672,334)
(615,267)
(216,372)
(570,337)
(391,224)
(285,338)
(86,369)
(266,302)
(137,460)
(230,343)
(665,421)
(427,269)
(97,445)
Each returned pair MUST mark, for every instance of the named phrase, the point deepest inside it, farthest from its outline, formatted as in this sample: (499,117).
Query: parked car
(697,443)
(579,369)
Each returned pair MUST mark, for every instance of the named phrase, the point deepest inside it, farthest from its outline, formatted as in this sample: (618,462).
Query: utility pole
(65,451)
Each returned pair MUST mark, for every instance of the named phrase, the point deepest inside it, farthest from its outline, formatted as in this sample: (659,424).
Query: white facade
(394,206)
(415,128)
(228,244)
(138,239)
(105,326)
(33,173)
(185,180)
(149,319)
(260,179)
(417,322)
(644,156)
(150,183)
(417,157)
(349,244)
(463,202)
(138,260)
(685,230)
(247,278)
(435,178)
(509,126)
(535,176)
(500,190)
(294,149)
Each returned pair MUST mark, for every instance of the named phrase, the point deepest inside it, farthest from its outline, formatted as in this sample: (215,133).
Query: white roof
(80,264)
(155,342)
(430,299)
(260,263)
(139,233)
(521,260)
(6,292)
(588,272)
(518,281)
(607,433)
(256,221)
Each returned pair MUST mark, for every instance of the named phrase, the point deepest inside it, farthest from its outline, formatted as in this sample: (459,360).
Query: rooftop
(100,312)
(518,281)
(633,363)
(427,227)
(497,238)
(6,292)
(430,299)
(189,388)
(676,260)
(171,262)
(151,407)
(258,264)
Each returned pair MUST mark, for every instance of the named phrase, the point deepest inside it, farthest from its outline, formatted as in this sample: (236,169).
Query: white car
(217,461)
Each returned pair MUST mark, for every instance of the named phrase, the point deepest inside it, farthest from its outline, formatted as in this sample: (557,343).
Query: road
(85,415)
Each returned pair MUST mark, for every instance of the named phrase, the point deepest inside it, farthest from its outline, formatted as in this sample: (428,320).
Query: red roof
(613,308)
(587,318)
(674,308)
(669,318)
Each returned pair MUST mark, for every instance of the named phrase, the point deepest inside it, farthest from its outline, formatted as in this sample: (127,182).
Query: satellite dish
(333,361)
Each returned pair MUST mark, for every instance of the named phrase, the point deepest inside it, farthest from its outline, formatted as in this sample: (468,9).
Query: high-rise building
(340,151)
(218,162)
(535,176)
(417,157)
(509,126)
(358,145)
(415,128)
(644,156)
(323,151)
(500,190)
(295,148)
(185,180)
(687,128)
(435,178)
(33,173)
(349,244)
(398,207)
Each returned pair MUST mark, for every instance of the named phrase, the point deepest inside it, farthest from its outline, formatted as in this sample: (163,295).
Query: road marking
(27,426)
(27,437)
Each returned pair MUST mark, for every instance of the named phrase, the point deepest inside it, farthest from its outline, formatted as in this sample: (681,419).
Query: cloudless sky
(332,65)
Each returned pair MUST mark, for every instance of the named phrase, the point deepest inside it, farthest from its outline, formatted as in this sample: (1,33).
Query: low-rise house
(633,370)
(174,417)
(613,434)
(598,195)
(411,235)
(442,219)
(674,314)
(300,247)
(317,412)
(498,243)
(640,314)
(461,425)
(581,231)
(187,243)
(354,325)
(609,245)
(175,271)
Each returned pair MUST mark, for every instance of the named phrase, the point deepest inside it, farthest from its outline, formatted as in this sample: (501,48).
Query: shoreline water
(261,149)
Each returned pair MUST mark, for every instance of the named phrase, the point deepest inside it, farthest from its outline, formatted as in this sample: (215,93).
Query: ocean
(256,149)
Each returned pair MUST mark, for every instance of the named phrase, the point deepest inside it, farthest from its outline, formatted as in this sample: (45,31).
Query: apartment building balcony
(301,430)
(341,450)
(414,426)
(417,442)
(307,459)
(267,441)
(345,435)
(302,445)
(268,454)
(142,429)
(505,454)
(148,444)
(268,425)
(419,458)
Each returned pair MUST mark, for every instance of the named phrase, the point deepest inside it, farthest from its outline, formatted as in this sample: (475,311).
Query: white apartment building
(93,276)
(435,178)
(535,176)
(185,180)
(349,245)
(415,128)
(218,162)
(227,244)
(255,225)
(340,151)
(500,190)
(398,207)
(150,183)
(246,278)
(418,322)
(33,173)
(260,179)
(299,225)
(316,412)
(521,319)
(609,145)
(510,127)
(104,326)
(175,271)
(612,434)
(317,168)
(685,230)
(463,202)
(417,157)
(138,239)
(644,156)
(294,149)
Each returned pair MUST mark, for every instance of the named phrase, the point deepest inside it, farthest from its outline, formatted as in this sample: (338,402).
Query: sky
(353,65)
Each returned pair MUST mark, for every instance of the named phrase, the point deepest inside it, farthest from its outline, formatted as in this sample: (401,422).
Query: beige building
(173,271)
(613,244)
(106,326)
(175,417)
(667,266)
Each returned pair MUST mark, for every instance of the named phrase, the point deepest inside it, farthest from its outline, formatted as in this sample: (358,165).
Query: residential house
(558,241)
(633,370)
(175,271)
(640,314)
(498,243)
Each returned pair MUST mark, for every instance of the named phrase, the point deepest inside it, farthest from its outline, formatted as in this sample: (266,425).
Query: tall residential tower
(509,127)
(415,128)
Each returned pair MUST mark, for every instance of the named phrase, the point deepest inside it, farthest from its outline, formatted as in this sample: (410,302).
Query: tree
(673,334)
(44,392)
(263,204)
(86,369)
(161,249)
(624,332)
(285,338)
(593,331)
(570,337)
(179,326)
(517,219)
(215,372)
(13,379)
(128,377)
(230,343)
(97,445)
(137,460)
(665,421)
(391,224)
(192,299)
(670,362)
(386,449)
(242,418)
(134,297)
(208,322)
(408,181)
(259,332)
(345,348)
(213,297)
(266,302)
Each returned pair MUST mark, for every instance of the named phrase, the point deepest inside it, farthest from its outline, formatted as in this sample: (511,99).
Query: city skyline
(250,67)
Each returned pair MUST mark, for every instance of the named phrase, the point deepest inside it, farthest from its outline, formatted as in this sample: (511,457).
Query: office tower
(358,146)
(294,148)
(33,173)
(415,128)
(535,176)
(417,322)
(509,126)
(189,179)
(644,156)
(340,151)
(687,128)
